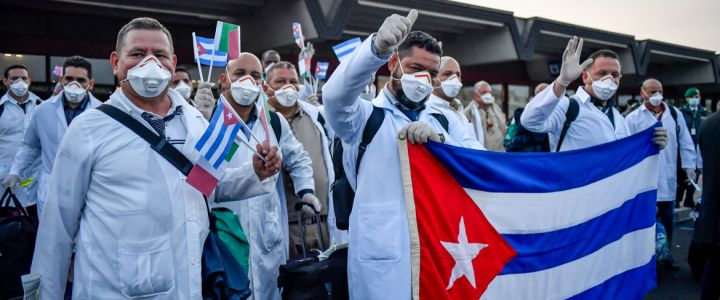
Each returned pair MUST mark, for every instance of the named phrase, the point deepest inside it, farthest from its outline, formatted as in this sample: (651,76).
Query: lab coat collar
(583,95)
(644,108)
(6,98)
(387,100)
(123,102)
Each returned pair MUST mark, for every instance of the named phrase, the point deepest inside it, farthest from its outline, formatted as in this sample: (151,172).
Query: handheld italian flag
(262,104)
(227,39)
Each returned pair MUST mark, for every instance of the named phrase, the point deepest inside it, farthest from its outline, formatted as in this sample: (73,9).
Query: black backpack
(343,193)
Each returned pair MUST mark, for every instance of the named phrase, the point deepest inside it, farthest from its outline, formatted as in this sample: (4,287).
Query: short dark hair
(270,52)
(280,65)
(603,53)
(139,24)
(78,62)
(421,40)
(15,66)
(182,69)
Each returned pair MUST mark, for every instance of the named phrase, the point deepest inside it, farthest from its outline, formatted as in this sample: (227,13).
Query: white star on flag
(463,253)
(229,115)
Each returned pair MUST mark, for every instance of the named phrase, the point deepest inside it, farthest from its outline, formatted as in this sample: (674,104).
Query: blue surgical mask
(695,101)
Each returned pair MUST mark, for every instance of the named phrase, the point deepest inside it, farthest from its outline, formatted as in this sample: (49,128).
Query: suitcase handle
(9,196)
(298,207)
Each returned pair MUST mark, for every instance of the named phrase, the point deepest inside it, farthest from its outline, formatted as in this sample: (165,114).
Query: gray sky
(693,23)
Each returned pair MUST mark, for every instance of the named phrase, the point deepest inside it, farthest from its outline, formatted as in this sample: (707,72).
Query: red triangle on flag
(229,117)
(460,251)
(201,50)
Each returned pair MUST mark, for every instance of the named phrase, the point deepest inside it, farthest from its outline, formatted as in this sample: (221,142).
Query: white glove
(419,133)
(312,200)
(571,67)
(393,31)
(11,181)
(204,99)
(309,49)
(660,137)
(691,174)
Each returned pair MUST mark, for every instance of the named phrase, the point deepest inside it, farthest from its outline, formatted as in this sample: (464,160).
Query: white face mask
(184,89)
(417,86)
(487,98)
(19,87)
(74,92)
(244,90)
(604,88)
(287,95)
(149,78)
(655,99)
(451,87)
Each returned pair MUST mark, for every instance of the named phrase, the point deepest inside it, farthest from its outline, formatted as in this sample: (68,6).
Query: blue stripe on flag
(540,251)
(346,43)
(216,144)
(346,52)
(203,40)
(216,63)
(208,132)
(624,285)
(229,144)
(529,172)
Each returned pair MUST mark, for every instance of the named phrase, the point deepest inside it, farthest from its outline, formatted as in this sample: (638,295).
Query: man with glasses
(48,125)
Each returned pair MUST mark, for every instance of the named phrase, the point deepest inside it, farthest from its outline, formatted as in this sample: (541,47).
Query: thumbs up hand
(393,31)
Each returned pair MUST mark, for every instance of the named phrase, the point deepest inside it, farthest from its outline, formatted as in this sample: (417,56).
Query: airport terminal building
(513,54)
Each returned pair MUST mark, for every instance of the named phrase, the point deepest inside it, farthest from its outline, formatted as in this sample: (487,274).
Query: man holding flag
(379,253)
(263,218)
(136,227)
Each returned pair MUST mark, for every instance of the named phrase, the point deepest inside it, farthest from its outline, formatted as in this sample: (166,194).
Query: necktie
(158,123)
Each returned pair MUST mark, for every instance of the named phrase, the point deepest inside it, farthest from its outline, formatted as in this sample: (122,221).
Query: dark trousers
(710,289)
(666,213)
(685,190)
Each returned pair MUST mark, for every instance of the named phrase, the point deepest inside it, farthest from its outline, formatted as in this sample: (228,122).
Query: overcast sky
(693,23)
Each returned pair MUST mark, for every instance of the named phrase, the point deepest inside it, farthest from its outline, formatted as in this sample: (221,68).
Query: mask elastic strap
(397,54)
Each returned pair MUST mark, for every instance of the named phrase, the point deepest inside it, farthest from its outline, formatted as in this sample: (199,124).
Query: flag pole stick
(216,43)
(250,130)
(197,58)
(244,142)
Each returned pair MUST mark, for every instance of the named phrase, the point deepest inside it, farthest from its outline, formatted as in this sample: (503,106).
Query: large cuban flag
(577,224)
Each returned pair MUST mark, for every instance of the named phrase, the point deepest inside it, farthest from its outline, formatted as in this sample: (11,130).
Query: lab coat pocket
(270,230)
(146,267)
(379,228)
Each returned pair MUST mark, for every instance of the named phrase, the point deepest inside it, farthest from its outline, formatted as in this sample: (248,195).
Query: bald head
(539,88)
(246,64)
(650,87)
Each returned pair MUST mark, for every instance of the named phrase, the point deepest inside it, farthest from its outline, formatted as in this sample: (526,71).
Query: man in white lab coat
(264,218)
(487,119)
(17,107)
(651,111)
(136,226)
(442,101)
(379,248)
(598,121)
(49,123)
(308,124)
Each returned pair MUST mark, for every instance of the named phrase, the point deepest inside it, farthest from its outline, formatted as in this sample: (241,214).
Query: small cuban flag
(216,147)
(204,52)
(321,69)
(344,49)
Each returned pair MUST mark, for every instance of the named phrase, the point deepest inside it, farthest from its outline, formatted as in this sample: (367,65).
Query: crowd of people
(124,219)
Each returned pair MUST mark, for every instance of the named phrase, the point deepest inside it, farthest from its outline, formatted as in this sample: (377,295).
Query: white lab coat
(264,218)
(13,123)
(457,122)
(337,236)
(641,119)
(379,247)
(546,114)
(136,226)
(42,138)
